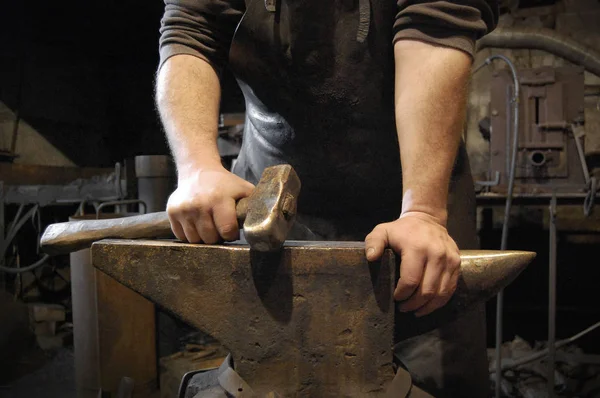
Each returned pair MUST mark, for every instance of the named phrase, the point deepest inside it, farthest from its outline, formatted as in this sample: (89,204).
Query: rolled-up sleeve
(202,28)
(454,23)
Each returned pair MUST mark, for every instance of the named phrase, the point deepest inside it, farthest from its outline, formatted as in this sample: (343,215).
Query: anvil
(315,319)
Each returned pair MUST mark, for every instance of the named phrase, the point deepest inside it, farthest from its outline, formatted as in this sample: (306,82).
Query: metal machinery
(541,112)
(550,153)
(35,188)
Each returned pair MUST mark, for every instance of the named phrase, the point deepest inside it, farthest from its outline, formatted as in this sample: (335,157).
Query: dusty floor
(55,379)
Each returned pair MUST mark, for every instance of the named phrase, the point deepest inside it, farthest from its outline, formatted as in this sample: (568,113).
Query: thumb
(248,188)
(243,188)
(376,242)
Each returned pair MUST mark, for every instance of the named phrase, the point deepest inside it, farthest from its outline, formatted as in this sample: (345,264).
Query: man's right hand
(202,208)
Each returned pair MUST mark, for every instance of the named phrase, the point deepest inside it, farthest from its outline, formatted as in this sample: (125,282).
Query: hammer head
(271,208)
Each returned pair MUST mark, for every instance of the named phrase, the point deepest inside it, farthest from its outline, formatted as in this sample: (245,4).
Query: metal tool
(266,215)
(314,319)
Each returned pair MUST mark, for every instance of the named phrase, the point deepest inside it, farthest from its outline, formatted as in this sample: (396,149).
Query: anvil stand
(553,199)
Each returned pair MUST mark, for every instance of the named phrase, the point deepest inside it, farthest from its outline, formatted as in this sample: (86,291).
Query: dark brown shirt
(319,86)
(204,28)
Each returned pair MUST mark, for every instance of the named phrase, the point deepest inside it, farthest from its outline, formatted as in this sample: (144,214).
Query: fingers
(441,297)
(447,286)
(177,229)
(189,229)
(430,261)
(206,229)
(196,225)
(412,266)
(428,276)
(376,242)
(201,229)
(428,288)
(225,220)
(447,289)
(183,228)
(202,208)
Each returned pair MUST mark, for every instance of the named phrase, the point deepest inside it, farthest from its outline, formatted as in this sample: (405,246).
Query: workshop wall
(81,76)
(31,146)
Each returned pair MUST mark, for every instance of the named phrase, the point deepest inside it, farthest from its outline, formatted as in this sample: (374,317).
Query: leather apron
(318,81)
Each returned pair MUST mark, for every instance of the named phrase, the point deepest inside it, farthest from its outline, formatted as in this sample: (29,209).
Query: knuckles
(410,284)
(446,294)
(228,230)
(428,294)
(191,207)
(454,261)
(438,253)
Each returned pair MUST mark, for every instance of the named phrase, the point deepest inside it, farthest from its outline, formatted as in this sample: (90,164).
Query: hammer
(267,215)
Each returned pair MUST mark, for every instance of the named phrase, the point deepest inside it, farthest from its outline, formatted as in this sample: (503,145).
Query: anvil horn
(483,274)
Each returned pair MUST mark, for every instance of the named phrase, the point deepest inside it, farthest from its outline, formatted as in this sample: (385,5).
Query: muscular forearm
(431,89)
(188,96)
(202,208)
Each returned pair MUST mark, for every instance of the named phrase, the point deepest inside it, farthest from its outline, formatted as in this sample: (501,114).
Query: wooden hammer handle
(70,236)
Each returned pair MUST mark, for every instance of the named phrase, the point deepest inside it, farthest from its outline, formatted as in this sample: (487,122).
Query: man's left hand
(430,260)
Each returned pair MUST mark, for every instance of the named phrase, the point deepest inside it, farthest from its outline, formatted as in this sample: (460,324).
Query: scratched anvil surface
(314,319)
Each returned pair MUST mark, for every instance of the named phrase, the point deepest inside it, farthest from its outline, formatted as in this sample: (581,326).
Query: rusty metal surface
(315,319)
(307,321)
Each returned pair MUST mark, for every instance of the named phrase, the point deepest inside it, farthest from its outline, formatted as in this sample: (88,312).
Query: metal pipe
(156,179)
(15,227)
(85,320)
(31,267)
(505,224)
(17,216)
(542,353)
(552,298)
(543,39)
(578,134)
(118,203)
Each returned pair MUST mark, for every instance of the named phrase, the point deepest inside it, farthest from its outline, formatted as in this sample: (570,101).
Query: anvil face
(315,319)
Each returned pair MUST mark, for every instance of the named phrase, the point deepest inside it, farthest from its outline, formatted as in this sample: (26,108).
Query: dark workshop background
(81,74)
(79,78)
